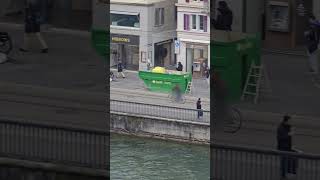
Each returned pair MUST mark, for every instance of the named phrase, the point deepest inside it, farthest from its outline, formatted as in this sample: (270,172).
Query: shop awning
(195,41)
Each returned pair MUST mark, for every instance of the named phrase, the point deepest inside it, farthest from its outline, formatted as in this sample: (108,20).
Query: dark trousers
(288,165)
(200,113)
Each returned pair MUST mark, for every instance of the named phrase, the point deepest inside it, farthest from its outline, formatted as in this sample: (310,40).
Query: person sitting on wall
(225,17)
(180,67)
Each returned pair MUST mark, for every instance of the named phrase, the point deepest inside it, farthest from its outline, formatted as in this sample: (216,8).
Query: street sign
(177,46)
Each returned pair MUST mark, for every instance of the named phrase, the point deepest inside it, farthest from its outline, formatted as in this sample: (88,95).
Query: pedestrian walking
(312,42)
(199,108)
(148,64)
(224,19)
(284,143)
(180,67)
(32,27)
(207,75)
(120,70)
(176,92)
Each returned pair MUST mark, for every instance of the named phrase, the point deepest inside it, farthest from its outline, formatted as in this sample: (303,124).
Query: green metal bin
(165,82)
(231,55)
(100,41)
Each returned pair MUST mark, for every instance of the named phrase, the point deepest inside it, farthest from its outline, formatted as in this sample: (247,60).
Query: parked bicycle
(177,95)
(5,46)
(233,120)
(174,98)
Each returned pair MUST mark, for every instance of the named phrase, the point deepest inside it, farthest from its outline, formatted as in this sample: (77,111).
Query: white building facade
(142,31)
(193,35)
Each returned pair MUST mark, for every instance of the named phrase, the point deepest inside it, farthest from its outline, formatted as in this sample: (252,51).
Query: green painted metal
(159,82)
(101,42)
(231,55)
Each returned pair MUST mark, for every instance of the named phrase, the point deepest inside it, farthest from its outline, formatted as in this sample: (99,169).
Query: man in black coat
(180,67)
(225,17)
(284,143)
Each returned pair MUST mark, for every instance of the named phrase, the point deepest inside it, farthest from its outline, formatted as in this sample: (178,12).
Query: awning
(194,40)
(124,13)
(164,42)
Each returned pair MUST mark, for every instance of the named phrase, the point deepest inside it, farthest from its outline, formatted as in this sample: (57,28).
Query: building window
(125,20)
(197,22)
(186,22)
(201,22)
(194,22)
(159,16)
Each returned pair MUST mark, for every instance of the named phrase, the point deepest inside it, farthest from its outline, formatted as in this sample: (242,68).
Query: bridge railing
(241,163)
(160,111)
(60,145)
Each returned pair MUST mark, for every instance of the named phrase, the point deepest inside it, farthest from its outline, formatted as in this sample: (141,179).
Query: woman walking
(32,27)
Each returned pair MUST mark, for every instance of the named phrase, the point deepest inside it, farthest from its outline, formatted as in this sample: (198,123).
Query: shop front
(163,52)
(196,59)
(124,48)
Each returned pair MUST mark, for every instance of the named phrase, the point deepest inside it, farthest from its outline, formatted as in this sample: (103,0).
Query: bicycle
(5,46)
(235,123)
(233,120)
(173,98)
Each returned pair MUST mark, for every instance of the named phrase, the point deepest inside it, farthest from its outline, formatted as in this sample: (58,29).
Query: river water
(151,159)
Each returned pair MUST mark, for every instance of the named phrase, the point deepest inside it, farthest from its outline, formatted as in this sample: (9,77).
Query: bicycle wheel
(234,121)
(5,43)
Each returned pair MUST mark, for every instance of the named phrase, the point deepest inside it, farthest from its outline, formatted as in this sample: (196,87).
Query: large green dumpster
(231,55)
(165,82)
(100,41)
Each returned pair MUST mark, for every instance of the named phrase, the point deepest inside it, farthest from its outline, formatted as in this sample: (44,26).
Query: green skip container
(100,42)
(231,56)
(165,82)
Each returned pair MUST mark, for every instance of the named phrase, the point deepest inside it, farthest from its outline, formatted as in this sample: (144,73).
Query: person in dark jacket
(180,67)
(284,143)
(219,89)
(224,19)
(32,26)
(120,69)
(312,41)
(199,108)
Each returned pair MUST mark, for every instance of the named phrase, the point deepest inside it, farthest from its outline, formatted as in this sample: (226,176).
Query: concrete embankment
(186,131)
(23,169)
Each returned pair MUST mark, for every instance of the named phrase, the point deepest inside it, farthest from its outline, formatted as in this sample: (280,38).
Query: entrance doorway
(196,60)
(127,54)
(163,54)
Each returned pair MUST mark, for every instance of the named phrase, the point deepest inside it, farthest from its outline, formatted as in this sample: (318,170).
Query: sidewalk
(132,81)
(70,64)
(72,59)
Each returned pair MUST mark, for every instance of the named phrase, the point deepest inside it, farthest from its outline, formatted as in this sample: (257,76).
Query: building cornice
(198,6)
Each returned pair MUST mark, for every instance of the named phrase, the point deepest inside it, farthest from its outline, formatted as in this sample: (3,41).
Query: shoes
(44,50)
(23,50)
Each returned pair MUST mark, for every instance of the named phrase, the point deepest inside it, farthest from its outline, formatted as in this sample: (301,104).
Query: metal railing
(240,163)
(160,111)
(59,145)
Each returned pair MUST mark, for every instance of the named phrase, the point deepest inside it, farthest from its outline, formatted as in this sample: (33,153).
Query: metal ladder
(256,77)
(189,87)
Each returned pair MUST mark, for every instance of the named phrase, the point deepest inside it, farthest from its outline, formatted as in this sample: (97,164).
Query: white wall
(149,34)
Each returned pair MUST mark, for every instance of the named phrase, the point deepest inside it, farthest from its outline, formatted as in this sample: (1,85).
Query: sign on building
(177,45)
